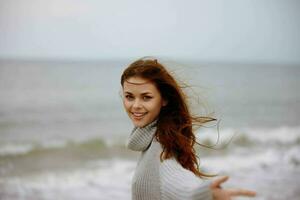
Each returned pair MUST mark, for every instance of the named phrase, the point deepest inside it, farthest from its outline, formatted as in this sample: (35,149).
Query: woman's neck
(141,137)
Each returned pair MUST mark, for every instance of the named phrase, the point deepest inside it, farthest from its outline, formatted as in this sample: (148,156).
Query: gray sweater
(167,180)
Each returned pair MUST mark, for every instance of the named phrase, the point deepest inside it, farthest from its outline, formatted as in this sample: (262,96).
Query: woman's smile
(138,115)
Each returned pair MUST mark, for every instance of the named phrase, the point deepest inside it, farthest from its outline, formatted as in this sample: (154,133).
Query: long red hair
(175,122)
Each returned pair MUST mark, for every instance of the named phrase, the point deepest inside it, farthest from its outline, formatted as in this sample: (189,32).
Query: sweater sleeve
(178,183)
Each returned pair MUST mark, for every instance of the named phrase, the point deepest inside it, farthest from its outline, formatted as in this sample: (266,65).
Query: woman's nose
(136,104)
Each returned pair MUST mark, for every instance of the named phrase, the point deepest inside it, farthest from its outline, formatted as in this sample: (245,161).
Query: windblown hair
(175,122)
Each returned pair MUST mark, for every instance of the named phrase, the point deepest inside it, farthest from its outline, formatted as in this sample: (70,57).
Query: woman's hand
(220,193)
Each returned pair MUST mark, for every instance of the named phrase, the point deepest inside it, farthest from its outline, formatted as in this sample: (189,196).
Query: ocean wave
(25,148)
(15,149)
(248,160)
(104,179)
(282,136)
(229,137)
(292,157)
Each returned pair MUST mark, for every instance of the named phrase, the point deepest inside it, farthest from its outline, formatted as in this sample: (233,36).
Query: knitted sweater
(167,180)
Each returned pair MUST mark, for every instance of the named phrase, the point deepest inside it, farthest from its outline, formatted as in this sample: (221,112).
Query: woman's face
(142,100)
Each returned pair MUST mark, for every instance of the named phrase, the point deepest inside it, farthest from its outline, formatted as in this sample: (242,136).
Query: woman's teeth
(138,114)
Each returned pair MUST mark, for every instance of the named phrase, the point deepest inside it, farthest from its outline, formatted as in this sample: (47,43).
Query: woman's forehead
(137,83)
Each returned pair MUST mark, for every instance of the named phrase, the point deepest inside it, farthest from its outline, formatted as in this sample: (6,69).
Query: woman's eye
(129,97)
(147,98)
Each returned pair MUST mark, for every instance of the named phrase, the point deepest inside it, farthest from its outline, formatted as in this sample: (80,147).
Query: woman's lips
(138,115)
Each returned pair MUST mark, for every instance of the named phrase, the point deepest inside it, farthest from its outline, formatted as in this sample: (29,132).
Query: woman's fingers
(216,187)
(216,183)
(241,192)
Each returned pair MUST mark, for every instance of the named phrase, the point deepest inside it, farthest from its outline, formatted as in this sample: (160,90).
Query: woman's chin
(140,122)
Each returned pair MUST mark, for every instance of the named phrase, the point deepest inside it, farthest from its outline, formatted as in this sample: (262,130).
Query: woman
(168,166)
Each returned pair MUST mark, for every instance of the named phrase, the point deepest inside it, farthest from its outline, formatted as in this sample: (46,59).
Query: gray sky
(212,30)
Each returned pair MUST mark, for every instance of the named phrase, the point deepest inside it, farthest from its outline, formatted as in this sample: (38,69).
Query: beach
(63,129)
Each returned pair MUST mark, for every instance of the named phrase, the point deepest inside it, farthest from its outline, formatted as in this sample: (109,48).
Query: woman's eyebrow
(145,93)
(127,92)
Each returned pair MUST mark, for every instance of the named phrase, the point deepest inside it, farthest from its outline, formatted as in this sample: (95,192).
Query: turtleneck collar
(141,137)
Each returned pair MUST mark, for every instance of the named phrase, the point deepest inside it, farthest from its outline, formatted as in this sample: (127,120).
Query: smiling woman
(168,167)
(142,100)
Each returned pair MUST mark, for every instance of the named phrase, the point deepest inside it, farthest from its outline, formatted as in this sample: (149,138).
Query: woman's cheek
(126,105)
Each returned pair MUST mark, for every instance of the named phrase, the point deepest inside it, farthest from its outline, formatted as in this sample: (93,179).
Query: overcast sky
(212,30)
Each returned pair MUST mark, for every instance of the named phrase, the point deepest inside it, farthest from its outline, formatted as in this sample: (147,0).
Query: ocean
(63,128)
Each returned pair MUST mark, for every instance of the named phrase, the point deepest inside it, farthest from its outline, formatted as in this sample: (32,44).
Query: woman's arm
(178,183)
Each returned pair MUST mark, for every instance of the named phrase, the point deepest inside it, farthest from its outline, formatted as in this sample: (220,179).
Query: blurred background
(62,126)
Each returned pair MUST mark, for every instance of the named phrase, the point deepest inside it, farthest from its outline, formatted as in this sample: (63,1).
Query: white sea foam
(111,179)
(236,162)
(292,157)
(15,149)
(21,148)
(18,148)
(282,135)
(100,180)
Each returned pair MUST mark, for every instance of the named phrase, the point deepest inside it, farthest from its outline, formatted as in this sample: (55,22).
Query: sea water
(63,128)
